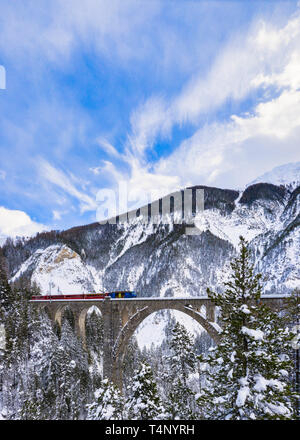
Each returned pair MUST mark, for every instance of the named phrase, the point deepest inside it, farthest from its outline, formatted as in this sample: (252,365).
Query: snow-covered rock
(161,260)
(58,269)
(288,175)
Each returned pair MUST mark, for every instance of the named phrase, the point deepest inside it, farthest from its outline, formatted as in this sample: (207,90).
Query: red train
(118,294)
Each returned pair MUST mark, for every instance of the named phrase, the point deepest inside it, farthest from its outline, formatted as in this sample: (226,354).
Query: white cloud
(147,121)
(240,149)
(232,152)
(246,62)
(56,215)
(106,25)
(60,179)
(17,223)
(277,117)
(96,170)
(109,148)
(226,78)
(268,56)
(146,187)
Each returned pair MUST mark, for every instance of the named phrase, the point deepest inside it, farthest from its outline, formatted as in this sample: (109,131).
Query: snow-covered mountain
(288,175)
(58,269)
(160,259)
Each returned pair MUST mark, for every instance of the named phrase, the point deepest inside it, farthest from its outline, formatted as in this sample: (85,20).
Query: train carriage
(114,295)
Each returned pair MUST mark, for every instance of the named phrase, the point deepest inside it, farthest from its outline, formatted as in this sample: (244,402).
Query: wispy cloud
(108,25)
(105,91)
(267,56)
(60,179)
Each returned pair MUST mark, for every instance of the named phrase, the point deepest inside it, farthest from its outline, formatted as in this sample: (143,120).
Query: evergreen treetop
(248,371)
(145,403)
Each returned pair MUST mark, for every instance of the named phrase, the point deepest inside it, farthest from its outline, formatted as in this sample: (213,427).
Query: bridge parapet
(122,316)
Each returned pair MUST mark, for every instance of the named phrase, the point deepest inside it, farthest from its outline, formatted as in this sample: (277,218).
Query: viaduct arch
(121,317)
(126,332)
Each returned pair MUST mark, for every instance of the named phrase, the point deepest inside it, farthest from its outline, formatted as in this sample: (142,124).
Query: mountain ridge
(135,255)
(161,260)
(287,174)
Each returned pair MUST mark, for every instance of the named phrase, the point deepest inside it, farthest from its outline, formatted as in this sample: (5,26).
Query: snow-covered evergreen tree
(31,405)
(131,359)
(183,360)
(70,372)
(292,318)
(145,402)
(180,364)
(108,403)
(15,374)
(6,306)
(5,290)
(248,370)
(41,376)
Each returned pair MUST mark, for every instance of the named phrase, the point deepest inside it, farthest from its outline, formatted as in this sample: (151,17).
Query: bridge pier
(210,312)
(79,317)
(108,322)
(121,317)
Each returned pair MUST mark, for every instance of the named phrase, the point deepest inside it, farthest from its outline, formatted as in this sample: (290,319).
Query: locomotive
(118,294)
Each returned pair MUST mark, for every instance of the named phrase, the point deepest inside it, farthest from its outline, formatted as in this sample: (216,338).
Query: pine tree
(179,365)
(94,331)
(32,401)
(132,358)
(5,306)
(44,345)
(72,373)
(144,403)
(6,296)
(108,404)
(41,377)
(248,370)
(182,361)
(292,317)
(17,375)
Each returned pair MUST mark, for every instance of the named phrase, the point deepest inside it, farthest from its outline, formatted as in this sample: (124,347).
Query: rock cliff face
(160,259)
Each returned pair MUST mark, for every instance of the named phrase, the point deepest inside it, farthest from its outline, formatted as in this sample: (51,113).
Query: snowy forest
(251,374)
(149,214)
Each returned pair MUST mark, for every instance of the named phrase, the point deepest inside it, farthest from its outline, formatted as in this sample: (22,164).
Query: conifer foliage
(5,290)
(248,370)
(108,403)
(145,403)
(180,399)
(292,317)
(249,374)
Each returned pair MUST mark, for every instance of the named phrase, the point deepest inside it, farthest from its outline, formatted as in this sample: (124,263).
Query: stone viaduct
(121,317)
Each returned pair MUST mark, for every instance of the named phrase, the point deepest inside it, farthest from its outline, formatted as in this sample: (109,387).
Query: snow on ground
(288,174)
(97,277)
(242,221)
(286,265)
(134,274)
(58,269)
(3,413)
(2,241)
(152,329)
(135,232)
(173,285)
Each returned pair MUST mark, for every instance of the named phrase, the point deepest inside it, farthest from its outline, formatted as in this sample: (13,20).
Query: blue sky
(158,94)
